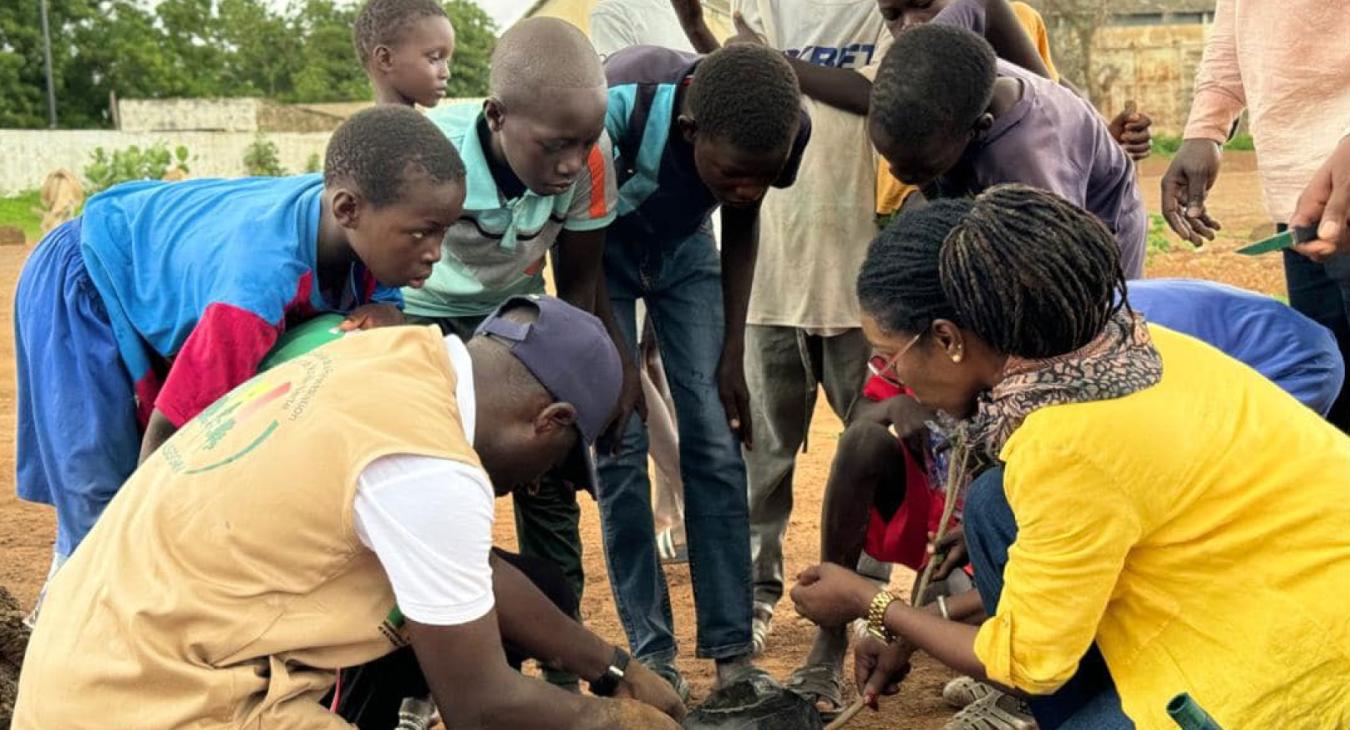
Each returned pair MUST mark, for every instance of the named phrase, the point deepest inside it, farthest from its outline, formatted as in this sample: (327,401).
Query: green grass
(22,210)
(1166,145)
(1158,239)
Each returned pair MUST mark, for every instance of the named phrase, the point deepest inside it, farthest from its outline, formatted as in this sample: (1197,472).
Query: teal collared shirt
(498,247)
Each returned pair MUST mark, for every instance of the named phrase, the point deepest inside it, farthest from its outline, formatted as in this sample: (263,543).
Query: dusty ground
(26,530)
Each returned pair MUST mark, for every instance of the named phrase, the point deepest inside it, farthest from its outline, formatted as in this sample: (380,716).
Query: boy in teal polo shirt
(539,176)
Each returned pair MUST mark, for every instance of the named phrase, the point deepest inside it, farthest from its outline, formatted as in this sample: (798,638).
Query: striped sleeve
(595,194)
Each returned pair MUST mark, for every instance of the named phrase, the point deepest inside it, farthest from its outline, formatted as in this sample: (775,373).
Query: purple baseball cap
(569,352)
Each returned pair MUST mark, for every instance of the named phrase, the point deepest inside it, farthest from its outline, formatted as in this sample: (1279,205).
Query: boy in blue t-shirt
(691,133)
(162,297)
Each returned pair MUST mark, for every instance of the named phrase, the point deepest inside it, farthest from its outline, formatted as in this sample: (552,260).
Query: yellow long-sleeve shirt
(1199,532)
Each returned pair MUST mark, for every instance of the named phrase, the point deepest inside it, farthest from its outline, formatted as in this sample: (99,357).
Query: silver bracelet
(942,608)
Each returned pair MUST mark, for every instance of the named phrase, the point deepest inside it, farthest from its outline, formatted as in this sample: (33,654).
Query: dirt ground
(26,530)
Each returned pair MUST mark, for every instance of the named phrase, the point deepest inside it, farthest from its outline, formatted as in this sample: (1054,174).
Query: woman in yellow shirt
(1158,500)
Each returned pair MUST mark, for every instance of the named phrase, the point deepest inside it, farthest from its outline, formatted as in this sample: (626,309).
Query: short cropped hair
(747,96)
(934,77)
(383,23)
(375,148)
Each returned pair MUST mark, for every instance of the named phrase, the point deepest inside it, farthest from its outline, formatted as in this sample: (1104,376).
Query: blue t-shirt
(1290,349)
(661,196)
(200,277)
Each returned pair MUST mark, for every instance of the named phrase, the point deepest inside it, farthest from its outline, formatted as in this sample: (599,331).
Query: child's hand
(735,397)
(744,33)
(372,315)
(950,550)
(1130,130)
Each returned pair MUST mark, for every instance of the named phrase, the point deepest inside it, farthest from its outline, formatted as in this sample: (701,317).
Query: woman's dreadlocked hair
(1026,271)
(899,284)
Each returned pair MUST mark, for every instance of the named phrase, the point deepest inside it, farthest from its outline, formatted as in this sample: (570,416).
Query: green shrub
(133,163)
(1241,142)
(260,159)
(1165,145)
(1158,239)
(23,211)
(314,164)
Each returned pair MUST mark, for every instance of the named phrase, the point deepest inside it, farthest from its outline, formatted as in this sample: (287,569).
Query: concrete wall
(1154,65)
(221,115)
(29,155)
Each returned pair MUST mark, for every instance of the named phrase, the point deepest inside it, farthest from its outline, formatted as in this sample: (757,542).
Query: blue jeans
(1322,292)
(681,283)
(1089,700)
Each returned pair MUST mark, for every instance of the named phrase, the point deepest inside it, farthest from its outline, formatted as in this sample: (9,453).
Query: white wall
(225,115)
(27,156)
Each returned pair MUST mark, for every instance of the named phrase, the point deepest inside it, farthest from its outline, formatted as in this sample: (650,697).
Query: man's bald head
(541,54)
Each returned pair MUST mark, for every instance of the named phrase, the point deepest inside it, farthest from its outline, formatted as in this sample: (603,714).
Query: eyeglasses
(884,368)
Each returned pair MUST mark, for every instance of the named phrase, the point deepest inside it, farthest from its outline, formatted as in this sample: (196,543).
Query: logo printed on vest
(247,416)
(394,628)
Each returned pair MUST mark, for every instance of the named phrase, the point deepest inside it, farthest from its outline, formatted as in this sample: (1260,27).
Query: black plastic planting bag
(752,704)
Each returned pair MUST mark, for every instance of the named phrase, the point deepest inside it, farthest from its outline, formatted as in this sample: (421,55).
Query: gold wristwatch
(876,616)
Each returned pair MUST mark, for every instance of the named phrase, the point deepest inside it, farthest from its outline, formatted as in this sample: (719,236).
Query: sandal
(761,625)
(817,684)
(668,550)
(965,691)
(995,711)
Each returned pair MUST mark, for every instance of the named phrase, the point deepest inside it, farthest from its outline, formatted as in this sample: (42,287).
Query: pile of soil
(13,641)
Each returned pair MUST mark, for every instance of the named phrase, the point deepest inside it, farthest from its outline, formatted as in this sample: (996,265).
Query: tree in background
(197,49)
(1073,33)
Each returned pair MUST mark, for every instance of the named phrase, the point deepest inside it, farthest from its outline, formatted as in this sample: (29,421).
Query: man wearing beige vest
(328,512)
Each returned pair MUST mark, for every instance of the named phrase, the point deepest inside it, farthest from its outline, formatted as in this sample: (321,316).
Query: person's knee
(863,444)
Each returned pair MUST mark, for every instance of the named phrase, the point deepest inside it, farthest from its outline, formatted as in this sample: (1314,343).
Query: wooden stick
(847,715)
(956,474)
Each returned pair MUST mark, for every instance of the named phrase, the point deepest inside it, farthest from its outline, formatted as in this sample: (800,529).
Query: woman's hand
(879,667)
(832,595)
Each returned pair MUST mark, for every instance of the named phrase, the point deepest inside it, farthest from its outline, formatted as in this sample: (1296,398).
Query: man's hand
(367,316)
(1130,130)
(832,595)
(951,550)
(879,667)
(1327,199)
(1184,187)
(625,714)
(644,685)
(735,395)
(630,399)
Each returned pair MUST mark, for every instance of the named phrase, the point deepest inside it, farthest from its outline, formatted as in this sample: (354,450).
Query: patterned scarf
(1119,361)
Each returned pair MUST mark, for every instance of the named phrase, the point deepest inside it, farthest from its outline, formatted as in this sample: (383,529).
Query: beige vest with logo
(225,582)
